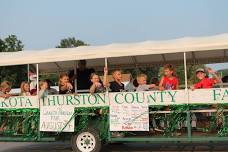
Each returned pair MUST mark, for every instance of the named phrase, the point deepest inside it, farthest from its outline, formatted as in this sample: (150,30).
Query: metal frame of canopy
(198,50)
(133,61)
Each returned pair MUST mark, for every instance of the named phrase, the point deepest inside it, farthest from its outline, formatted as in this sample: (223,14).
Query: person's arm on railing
(92,88)
(161,88)
(5,95)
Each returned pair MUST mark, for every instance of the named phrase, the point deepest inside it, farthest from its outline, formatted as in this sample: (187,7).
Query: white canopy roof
(198,49)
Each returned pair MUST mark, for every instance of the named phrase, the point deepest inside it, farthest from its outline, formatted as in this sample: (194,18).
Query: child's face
(64,79)
(95,79)
(142,80)
(6,89)
(168,72)
(117,75)
(44,85)
(27,87)
(200,75)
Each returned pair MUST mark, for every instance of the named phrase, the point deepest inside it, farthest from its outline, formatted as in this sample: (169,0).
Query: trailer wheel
(86,141)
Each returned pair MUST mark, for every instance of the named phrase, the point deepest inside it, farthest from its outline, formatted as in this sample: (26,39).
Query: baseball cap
(200,70)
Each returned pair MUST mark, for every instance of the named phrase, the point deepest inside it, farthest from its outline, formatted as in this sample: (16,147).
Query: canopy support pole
(189,124)
(28,72)
(106,66)
(185,73)
(75,80)
(107,93)
(37,79)
(37,91)
(106,62)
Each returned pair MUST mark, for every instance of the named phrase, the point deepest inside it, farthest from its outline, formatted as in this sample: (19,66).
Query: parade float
(75,117)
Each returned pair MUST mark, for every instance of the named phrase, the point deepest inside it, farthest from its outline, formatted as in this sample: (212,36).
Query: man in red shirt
(206,82)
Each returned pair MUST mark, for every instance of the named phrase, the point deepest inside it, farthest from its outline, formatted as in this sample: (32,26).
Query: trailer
(89,121)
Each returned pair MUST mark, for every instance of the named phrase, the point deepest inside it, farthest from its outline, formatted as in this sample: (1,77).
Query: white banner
(210,96)
(19,102)
(55,118)
(169,97)
(128,112)
(79,100)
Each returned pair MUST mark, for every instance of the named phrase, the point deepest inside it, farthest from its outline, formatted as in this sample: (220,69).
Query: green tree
(14,74)
(70,42)
(223,72)
(11,44)
(2,45)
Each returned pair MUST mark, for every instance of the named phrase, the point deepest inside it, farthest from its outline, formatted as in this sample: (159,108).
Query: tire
(87,140)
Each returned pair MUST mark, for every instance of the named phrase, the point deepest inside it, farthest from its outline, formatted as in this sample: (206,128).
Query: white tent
(198,50)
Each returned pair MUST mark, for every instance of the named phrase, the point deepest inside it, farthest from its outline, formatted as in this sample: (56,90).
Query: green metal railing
(23,124)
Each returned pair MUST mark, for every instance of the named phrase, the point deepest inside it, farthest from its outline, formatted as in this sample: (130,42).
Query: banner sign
(210,96)
(57,118)
(19,102)
(128,112)
(79,100)
(169,97)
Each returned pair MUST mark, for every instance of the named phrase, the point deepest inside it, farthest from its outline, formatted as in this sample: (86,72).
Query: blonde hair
(22,86)
(5,84)
(141,76)
(41,83)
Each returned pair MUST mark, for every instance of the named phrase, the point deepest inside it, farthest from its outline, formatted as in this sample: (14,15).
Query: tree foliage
(11,44)
(70,42)
(14,74)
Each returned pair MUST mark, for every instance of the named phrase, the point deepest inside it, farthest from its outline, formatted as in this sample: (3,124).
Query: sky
(41,24)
